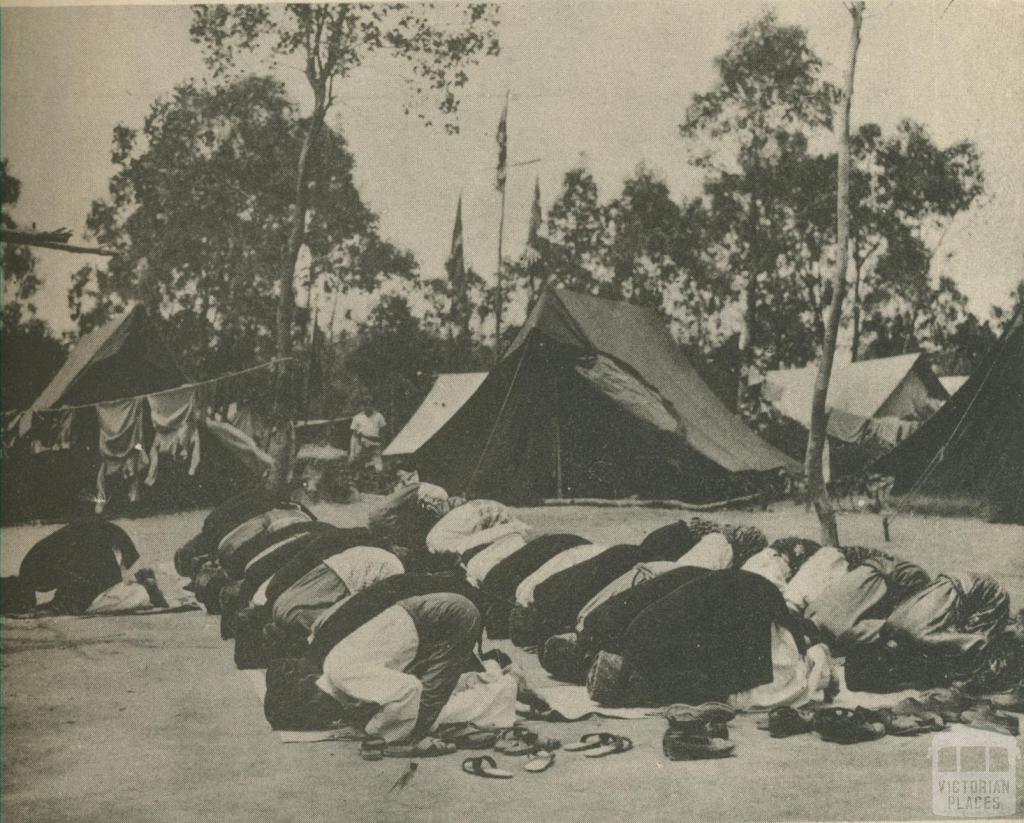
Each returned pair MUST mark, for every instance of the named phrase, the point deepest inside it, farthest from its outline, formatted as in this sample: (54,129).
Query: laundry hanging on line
(176,432)
(121,449)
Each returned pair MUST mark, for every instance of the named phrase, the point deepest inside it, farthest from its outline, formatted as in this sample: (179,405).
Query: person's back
(78,561)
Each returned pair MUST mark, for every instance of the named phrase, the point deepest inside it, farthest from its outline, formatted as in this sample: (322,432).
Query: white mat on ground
(573,703)
(178,599)
(258,679)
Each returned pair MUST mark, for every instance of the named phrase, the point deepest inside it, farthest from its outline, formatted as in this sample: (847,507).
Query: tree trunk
(747,338)
(816,441)
(282,434)
(855,343)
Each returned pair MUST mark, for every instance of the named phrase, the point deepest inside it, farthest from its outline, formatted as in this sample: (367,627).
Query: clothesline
(196,385)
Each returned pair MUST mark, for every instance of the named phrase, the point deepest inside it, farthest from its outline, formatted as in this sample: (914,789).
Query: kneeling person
(394,675)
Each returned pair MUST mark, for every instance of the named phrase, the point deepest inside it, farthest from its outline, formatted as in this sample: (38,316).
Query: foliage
(746,133)
(332,41)
(395,358)
(20,278)
(438,45)
(198,211)
(904,192)
(31,354)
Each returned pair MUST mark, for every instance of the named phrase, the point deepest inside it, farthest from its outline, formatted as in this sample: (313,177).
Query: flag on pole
(532,238)
(457,257)
(535,217)
(502,138)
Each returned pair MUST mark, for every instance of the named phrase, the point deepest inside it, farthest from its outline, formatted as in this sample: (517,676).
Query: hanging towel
(121,449)
(174,421)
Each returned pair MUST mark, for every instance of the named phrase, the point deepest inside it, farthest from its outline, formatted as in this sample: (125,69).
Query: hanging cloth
(121,449)
(175,432)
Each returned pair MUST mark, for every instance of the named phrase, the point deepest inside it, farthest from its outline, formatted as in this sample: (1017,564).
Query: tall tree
(333,41)
(905,192)
(198,211)
(647,227)
(768,93)
(578,234)
(816,439)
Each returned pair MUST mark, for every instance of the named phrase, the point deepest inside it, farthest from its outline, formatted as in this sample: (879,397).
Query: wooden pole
(27,239)
(499,297)
(558,457)
(816,488)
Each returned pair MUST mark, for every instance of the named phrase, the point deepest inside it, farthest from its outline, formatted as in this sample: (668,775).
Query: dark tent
(122,358)
(51,456)
(595,399)
(970,455)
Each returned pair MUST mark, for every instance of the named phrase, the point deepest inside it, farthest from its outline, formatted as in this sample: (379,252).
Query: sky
(602,83)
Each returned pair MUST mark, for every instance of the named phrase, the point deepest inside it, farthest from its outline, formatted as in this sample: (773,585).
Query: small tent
(595,399)
(448,394)
(872,406)
(970,455)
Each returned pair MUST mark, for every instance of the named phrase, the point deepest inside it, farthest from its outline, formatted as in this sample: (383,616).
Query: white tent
(448,394)
(903,387)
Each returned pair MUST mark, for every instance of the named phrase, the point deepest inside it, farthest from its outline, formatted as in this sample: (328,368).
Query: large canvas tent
(595,399)
(123,357)
(970,455)
(872,406)
(448,394)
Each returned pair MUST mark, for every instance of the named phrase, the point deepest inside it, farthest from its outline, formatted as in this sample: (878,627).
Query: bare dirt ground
(147,719)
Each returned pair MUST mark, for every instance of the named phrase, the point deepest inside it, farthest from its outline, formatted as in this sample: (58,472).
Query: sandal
(679,745)
(713,712)
(785,721)
(541,760)
(484,766)
(427,747)
(518,741)
(932,711)
(992,720)
(907,724)
(840,725)
(617,745)
(372,748)
(591,741)
(468,736)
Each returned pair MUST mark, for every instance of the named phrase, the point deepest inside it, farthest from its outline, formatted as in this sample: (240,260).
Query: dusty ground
(146,718)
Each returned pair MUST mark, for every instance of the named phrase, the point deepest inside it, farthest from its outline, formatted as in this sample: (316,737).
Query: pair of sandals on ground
(516,741)
(911,716)
(540,752)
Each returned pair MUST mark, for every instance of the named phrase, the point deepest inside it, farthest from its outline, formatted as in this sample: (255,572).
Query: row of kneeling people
(768,633)
(362,626)
(381,625)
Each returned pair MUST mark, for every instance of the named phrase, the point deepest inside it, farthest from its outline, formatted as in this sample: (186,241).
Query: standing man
(366,444)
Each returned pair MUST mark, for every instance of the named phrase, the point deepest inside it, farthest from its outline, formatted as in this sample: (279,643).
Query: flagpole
(500,299)
(501,232)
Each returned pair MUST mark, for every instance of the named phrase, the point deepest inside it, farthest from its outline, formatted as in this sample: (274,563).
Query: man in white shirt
(366,443)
